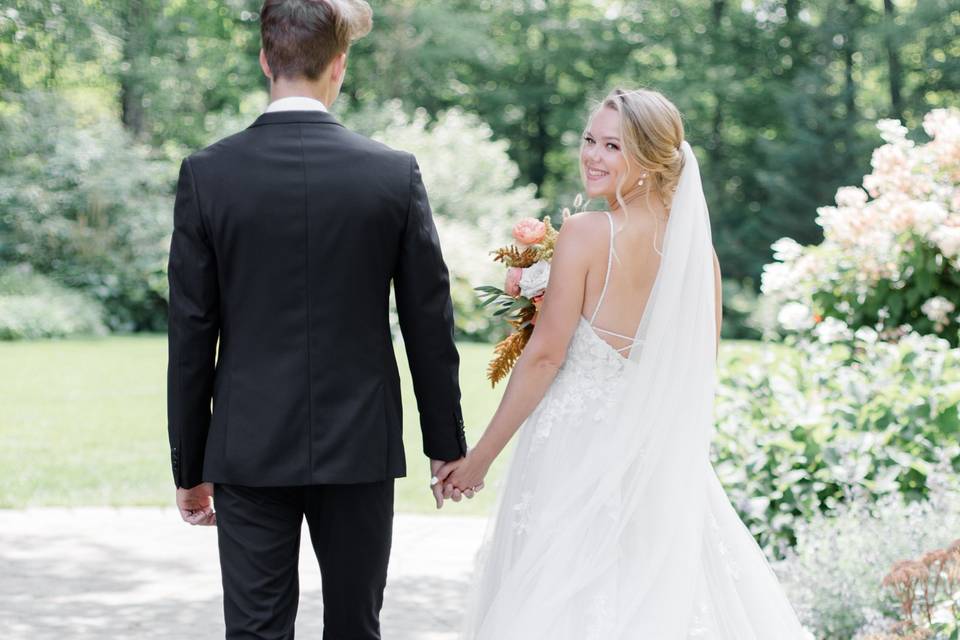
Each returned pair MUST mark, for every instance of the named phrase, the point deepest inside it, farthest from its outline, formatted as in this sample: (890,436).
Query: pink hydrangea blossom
(911,198)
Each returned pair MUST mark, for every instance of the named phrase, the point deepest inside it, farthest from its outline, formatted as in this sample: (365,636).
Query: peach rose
(529,231)
(512,285)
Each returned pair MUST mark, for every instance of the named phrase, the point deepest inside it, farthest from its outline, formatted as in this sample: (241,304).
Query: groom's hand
(463,477)
(196,504)
(435,486)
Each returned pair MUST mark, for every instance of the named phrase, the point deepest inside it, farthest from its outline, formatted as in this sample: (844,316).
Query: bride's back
(614,302)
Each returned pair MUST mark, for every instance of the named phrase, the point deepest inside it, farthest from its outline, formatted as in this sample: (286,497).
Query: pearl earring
(643,177)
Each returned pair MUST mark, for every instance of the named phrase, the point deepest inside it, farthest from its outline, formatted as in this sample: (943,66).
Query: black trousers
(258,530)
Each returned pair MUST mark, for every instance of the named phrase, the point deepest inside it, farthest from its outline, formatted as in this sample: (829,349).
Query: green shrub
(84,204)
(742,310)
(842,415)
(33,306)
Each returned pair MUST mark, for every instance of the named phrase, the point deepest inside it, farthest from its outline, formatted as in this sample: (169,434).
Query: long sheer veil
(665,422)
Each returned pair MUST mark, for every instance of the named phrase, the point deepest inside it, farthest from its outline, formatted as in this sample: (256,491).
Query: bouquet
(528,271)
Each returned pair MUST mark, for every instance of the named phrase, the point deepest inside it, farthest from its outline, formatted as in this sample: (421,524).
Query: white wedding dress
(611,523)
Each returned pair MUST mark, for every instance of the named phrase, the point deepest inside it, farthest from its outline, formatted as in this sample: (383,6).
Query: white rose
(533,279)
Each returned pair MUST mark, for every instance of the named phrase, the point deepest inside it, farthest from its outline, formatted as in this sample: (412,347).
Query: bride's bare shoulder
(586,224)
(583,232)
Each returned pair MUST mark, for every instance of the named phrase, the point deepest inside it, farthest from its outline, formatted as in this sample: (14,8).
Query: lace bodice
(586,386)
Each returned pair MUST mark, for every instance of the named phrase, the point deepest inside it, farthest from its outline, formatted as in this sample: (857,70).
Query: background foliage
(778,96)
(833,576)
(842,415)
(84,204)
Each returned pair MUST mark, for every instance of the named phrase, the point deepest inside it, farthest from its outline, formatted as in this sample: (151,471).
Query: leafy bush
(891,262)
(743,311)
(470,180)
(79,201)
(833,576)
(840,415)
(33,306)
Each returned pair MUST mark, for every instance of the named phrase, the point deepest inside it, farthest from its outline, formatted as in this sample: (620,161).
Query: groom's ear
(338,68)
(264,65)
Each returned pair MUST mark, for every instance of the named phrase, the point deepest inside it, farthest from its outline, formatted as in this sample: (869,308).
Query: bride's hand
(464,477)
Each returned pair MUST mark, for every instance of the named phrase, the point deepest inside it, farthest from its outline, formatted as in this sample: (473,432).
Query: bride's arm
(541,359)
(718,283)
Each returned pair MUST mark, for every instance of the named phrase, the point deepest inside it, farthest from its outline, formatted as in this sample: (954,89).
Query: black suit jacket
(286,239)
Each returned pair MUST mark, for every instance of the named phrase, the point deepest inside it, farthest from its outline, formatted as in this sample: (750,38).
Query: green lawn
(83,422)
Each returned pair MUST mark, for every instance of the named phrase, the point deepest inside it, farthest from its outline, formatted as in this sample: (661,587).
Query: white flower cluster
(912,195)
(832,330)
(937,310)
(795,316)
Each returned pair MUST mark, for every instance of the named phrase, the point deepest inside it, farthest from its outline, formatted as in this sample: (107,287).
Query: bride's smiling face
(602,162)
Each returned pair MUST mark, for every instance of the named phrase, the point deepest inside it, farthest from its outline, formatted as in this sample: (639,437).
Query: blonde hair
(651,132)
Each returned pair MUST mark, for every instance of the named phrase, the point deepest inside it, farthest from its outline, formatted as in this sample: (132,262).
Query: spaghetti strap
(612,333)
(606,282)
(606,277)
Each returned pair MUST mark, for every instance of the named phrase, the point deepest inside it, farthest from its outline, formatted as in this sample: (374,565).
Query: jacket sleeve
(194,327)
(422,287)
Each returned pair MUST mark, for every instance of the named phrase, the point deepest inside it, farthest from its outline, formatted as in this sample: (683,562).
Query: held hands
(196,505)
(460,478)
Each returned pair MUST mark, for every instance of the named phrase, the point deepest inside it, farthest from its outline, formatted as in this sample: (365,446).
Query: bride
(611,523)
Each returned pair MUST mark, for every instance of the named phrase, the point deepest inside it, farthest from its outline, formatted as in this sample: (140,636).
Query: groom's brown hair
(301,37)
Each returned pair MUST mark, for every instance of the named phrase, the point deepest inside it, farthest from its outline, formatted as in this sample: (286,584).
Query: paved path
(141,573)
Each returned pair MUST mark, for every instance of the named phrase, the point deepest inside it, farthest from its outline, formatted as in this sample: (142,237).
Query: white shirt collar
(296,103)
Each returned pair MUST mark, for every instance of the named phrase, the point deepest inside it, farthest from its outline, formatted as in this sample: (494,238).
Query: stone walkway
(141,573)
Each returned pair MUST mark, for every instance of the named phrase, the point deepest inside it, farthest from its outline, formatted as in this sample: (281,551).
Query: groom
(286,239)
